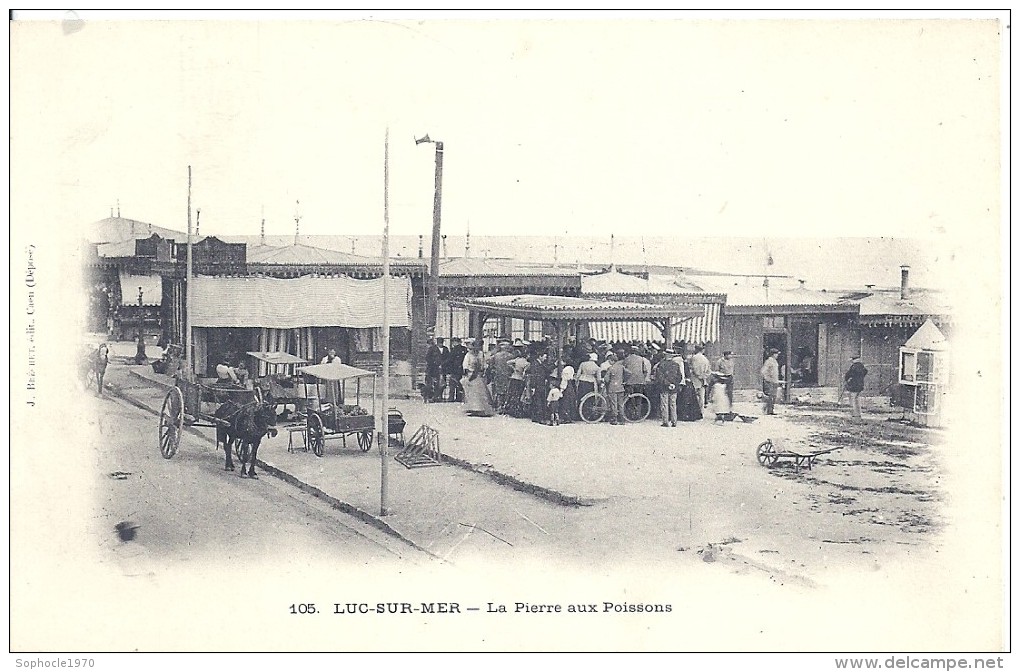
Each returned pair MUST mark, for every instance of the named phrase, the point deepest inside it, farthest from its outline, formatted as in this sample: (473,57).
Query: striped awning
(293,303)
(703,329)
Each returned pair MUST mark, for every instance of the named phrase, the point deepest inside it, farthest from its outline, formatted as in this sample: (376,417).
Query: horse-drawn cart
(193,404)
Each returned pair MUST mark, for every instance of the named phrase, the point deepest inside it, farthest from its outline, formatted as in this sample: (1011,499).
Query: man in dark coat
(454,368)
(854,381)
(433,371)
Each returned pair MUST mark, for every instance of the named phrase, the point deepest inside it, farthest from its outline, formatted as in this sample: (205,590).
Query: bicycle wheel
(637,407)
(593,407)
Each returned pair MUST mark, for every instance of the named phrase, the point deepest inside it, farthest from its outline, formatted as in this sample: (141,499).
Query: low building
(888,318)
(815,333)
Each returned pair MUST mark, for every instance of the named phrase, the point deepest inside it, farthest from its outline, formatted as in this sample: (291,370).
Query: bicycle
(594,406)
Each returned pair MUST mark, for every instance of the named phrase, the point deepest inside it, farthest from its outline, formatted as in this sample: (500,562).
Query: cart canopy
(334,371)
(278,358)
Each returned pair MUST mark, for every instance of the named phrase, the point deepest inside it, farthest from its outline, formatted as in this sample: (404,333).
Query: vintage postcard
(641,332)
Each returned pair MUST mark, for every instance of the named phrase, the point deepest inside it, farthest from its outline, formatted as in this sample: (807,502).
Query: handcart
(768,455)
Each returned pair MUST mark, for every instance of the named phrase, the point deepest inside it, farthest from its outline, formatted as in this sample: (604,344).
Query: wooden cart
(281,385)
(331,419)
(193,404)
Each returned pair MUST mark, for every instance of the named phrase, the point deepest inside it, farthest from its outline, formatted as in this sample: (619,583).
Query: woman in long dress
(477,400)
(688,406)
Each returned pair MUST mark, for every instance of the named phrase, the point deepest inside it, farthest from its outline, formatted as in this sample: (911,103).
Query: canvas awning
(277,358)
(575,309)
(151,286)
(334,371)
(293,303)
(702,329)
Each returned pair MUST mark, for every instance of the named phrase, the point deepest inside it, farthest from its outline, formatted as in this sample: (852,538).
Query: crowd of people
(534,380)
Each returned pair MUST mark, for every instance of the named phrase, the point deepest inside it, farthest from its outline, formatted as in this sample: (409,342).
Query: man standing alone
(770,380)
(615,391)
(433,371)
(701,369)
(668,376)
(854,380)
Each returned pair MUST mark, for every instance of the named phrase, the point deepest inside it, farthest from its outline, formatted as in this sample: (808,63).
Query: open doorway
(803,355)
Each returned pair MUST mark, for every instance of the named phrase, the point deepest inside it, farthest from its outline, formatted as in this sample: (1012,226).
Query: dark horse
(247,424)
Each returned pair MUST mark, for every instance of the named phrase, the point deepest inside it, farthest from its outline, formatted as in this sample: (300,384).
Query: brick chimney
(904,282)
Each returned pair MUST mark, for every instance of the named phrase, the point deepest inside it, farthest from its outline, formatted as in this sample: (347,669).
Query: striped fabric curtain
(298,342)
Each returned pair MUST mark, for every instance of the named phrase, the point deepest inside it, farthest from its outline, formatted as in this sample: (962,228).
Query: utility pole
(187,294)
(384,434)
(433,288)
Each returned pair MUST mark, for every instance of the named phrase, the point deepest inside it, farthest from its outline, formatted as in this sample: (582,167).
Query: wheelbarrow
(730,417)
(768,455)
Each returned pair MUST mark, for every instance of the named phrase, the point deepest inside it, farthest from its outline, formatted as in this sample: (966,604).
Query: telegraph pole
(433,288)
(384,434)
(187,293)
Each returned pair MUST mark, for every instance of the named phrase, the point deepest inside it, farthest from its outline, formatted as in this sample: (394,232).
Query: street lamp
(433,289)
(140,350)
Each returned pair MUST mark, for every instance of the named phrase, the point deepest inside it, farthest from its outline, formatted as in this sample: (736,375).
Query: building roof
(927,337)
(752,292)
(305,255)
(542,307)
(614,282)
(121,229)
(124,248)
(469,266)
(885,307)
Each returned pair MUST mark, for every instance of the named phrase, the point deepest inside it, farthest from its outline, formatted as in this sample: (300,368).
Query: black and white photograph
(477,332)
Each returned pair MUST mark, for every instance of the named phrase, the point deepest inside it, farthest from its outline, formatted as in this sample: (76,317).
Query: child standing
(555,394)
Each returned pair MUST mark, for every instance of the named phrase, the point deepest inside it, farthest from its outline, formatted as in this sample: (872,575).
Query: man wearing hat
(770,380)
(499,368)
(455,369)
(668,375)
(854,381)
(723,372)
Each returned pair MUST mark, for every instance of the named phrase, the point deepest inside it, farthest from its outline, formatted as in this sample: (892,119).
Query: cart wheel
(637,407)
(365,441)
(316,435)
(593,407)
(766,453)
(171,422)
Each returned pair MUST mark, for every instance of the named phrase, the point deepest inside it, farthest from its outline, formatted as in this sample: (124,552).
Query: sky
(681,126)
